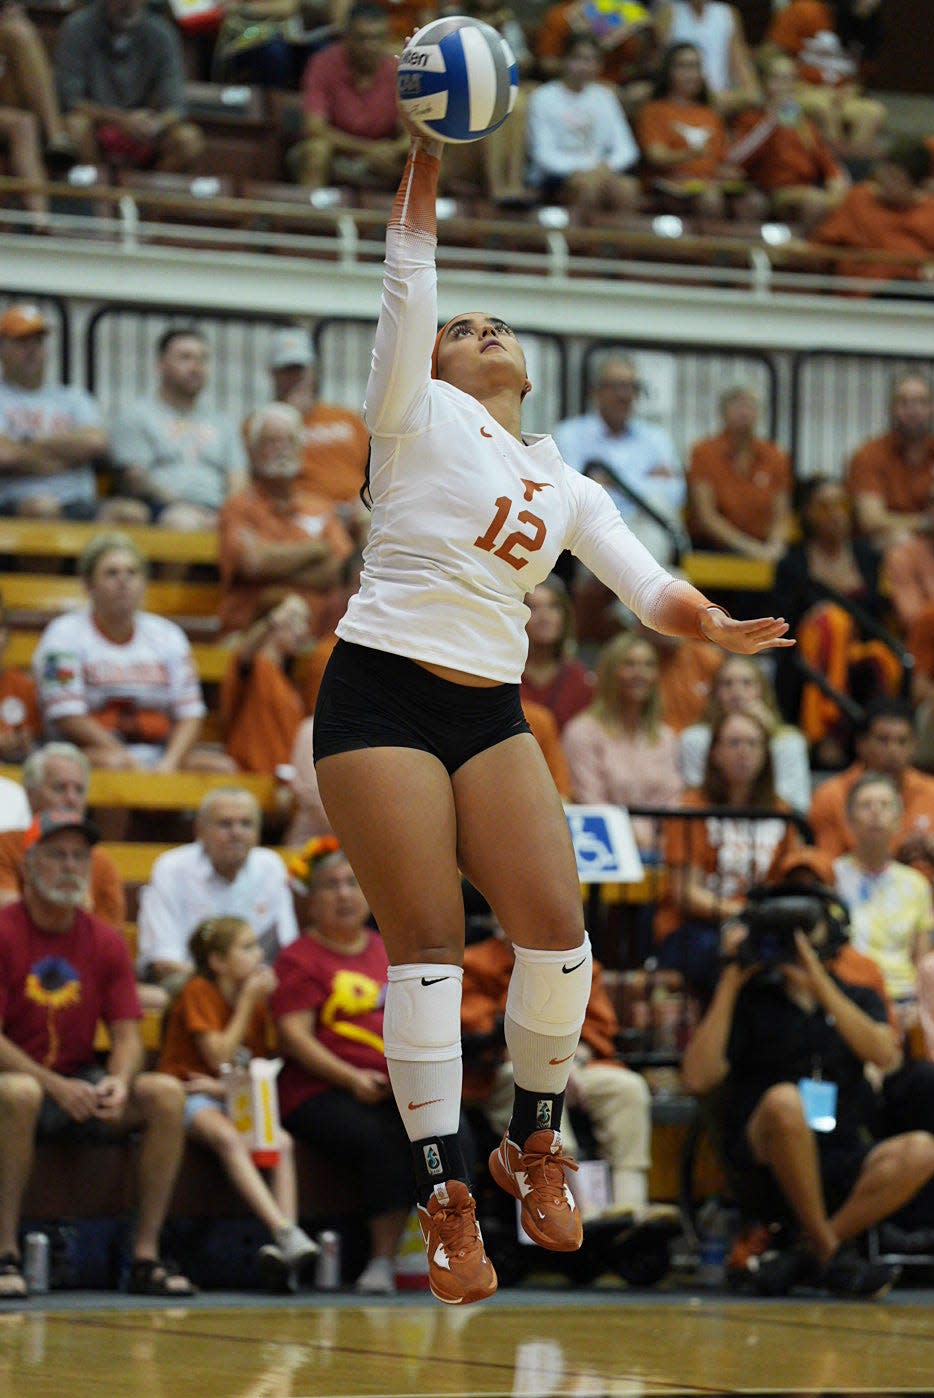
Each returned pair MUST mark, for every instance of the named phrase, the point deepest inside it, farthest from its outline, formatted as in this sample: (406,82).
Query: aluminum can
(36,1263)
(328,1266)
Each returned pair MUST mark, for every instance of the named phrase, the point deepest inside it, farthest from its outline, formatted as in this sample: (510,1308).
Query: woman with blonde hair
(553,676)
(741,686)
(618,749)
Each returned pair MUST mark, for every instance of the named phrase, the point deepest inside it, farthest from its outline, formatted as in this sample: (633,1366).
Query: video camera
(775,912)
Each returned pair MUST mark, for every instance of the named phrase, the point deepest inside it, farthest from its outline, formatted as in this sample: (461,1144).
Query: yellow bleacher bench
(134,860)
(728,570)
(210,657)
(164,791)
(28,538)
(52,593)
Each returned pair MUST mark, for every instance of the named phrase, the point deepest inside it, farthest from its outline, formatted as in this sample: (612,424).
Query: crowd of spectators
(656,107)
(623,716)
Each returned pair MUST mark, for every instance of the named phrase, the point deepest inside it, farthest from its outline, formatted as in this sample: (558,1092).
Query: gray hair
(34,768)
(219,793)
(282,413)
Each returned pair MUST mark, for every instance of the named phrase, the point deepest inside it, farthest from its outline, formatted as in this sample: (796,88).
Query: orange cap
(19,321)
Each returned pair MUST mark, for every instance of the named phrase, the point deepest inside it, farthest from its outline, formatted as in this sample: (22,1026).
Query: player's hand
(745,637)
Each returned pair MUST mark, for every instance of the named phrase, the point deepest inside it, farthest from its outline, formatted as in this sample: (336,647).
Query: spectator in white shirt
(14,806)
(118,682)
(224,873)
(50,434)
(580,144)
(642,455)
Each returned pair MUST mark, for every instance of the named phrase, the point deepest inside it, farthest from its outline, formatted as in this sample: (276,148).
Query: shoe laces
(545,1170)
(457,1230)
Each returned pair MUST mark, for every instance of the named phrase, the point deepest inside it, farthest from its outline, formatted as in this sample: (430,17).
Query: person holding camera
(788,1042)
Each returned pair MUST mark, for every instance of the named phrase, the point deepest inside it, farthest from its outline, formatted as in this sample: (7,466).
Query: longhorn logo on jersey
(532,486)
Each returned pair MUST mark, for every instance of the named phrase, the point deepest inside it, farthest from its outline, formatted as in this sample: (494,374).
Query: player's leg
(393,811)
(514,845)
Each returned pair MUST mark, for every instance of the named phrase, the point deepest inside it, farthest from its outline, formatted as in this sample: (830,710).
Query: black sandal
(151,1277)
(12,1283)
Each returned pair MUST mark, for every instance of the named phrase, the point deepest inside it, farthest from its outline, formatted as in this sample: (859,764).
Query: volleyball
(457,79)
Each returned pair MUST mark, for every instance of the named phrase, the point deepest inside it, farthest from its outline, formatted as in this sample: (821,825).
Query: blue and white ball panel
(458,80)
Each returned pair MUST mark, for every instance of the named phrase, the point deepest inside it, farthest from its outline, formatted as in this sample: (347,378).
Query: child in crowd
(221,1011)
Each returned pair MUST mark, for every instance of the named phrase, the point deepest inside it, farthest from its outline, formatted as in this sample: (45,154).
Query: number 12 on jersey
(528,543)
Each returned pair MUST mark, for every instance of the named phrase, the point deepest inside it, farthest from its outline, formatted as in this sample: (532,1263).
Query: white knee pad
(422,1016)
(549,990)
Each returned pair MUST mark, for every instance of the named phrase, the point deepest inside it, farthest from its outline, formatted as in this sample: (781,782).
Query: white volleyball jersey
(78,670)
(466,518)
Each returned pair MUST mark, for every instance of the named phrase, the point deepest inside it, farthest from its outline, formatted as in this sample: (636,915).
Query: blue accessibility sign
(604,844)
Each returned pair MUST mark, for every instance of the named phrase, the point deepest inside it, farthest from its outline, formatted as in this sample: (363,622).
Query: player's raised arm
(408,317)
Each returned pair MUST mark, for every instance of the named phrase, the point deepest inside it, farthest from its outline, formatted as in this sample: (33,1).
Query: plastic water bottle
(714,1234)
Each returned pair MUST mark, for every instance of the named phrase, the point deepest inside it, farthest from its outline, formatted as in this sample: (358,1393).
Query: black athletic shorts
(374,699)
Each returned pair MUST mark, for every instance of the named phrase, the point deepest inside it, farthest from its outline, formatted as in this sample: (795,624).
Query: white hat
(290,347)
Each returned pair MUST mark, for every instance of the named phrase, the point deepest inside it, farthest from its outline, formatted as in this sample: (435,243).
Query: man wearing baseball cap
(61,971)
(50,434)
(335,444)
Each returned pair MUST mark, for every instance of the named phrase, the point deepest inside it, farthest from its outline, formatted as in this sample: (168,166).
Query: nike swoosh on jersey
(568,969)
(429,1102)
(436,980)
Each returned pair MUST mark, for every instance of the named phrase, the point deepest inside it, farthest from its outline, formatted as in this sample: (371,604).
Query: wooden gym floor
(522,1344)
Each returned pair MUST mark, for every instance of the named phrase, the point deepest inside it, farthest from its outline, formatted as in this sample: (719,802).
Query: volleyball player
(425,763)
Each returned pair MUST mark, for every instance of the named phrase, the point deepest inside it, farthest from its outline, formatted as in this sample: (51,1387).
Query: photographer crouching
(788,1042)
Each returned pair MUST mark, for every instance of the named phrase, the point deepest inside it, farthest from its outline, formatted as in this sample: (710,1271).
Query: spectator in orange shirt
(783,152)
(885,742)
(717,29)
(335,442)
(261,707)
(275,536)
(686,670)
(683,137)
(55,778)
(626,42)
(714,861)
(908,574)
(20,723)
(739,485)
(891,213)
(828,43)
(220,1012)
(891,477)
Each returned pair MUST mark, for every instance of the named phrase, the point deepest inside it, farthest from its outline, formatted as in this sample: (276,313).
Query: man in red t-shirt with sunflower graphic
(62,970)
